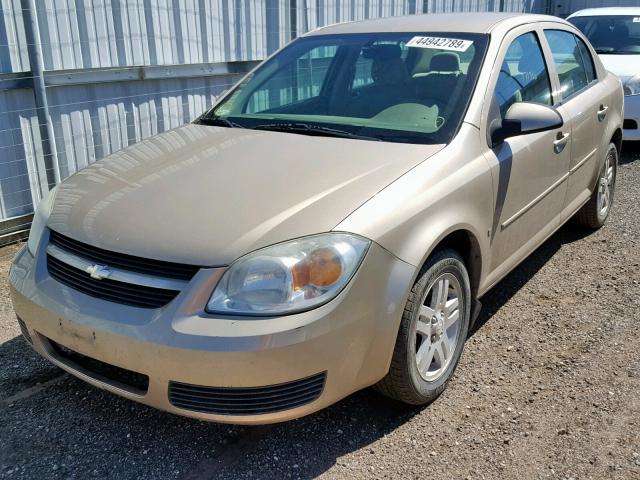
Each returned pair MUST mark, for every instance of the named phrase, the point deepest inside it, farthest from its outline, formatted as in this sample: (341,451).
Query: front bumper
(631,116)
(351,338)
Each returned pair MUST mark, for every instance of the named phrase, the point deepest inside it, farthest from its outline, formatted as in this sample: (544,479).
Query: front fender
(452,190)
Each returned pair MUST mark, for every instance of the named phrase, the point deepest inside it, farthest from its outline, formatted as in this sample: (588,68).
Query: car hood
(206,195)
(624,66)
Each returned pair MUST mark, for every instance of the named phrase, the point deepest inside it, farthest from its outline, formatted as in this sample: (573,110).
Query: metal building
(80,80)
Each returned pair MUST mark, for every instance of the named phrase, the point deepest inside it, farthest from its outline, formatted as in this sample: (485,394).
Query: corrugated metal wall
(95,119)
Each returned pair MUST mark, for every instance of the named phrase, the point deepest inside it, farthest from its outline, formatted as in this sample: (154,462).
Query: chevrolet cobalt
(330,224)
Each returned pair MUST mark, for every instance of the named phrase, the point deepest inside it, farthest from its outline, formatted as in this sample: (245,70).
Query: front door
(529,171)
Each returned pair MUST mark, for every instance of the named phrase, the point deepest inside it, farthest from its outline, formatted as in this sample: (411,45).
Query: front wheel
(432,332)
(595,212)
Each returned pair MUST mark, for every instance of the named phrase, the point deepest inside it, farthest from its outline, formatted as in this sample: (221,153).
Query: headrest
(385,51)
(445,62)
(389,71)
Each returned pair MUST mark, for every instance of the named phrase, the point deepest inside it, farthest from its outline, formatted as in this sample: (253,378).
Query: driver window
(523,76)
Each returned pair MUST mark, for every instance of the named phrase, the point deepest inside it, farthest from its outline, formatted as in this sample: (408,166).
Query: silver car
(330,224)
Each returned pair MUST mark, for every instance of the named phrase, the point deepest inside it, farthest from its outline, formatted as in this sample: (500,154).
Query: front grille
(107,289)
(630,124)
(24,330)
(246,401)
(122,378)
(156,268)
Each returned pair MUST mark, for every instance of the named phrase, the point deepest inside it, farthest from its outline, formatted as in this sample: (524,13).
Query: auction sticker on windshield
(440,43)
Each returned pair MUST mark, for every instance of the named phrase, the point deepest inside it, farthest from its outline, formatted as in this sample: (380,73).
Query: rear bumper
(349,341)
(632,112)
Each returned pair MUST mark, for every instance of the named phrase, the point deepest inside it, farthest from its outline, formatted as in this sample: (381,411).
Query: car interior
(386,82)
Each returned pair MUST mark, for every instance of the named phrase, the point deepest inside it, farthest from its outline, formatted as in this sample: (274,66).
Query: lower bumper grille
(246,401)
(112,290)
(24,330)
(122,378)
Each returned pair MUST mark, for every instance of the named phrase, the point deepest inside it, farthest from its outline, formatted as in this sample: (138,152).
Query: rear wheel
(432,332)
(595,212)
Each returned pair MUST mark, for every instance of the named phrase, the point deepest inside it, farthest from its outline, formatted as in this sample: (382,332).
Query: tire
(592,214)
(406,381)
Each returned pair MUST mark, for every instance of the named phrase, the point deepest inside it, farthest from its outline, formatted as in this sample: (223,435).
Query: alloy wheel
(438,327)
(605,183)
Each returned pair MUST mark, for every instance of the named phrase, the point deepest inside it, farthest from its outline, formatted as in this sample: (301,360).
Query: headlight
(39,221)
(632,87)
(289,277)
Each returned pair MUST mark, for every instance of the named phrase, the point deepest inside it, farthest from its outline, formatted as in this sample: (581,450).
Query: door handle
(602,112)
(560,142)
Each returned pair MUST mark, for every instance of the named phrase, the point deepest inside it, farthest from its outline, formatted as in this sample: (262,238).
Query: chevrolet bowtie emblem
(98,272)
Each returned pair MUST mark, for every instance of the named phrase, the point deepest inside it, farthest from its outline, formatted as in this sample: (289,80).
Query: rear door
(581,104)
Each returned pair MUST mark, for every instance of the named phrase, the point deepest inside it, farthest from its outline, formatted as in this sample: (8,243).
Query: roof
(476,22)
(606,11)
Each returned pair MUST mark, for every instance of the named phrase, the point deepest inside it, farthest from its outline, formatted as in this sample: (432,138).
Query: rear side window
(587,59)
(572,71)
(523,75)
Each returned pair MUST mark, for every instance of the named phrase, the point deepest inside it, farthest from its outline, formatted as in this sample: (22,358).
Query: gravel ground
(548,387)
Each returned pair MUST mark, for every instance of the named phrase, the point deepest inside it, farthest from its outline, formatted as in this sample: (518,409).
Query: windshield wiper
(308,129)
(219,122)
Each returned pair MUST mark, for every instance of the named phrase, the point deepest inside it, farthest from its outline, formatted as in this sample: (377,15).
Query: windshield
(611,35)
(399,87)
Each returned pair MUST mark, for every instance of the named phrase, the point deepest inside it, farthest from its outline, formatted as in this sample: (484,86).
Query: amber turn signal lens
(325,267)
(321,268)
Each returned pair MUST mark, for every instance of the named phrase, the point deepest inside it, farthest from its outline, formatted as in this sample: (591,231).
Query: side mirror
(523,118)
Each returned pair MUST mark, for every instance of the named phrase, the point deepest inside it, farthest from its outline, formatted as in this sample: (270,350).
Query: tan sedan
(330,224)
